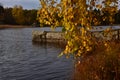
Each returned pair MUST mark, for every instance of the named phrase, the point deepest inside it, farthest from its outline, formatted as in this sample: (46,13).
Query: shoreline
(30,26)
(14,26)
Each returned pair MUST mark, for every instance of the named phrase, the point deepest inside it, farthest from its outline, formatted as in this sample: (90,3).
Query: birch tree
(76,17)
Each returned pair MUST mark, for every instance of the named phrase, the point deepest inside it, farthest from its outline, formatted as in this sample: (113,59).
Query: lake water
(20,59)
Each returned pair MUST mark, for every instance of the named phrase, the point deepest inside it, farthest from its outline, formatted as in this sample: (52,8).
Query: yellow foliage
(75,16)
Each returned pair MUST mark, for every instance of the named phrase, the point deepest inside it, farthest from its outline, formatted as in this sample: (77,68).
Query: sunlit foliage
(76,17)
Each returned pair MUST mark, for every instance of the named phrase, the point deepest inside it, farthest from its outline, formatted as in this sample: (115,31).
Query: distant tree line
(18,16)
(98,18)
(103,18)
(1,14)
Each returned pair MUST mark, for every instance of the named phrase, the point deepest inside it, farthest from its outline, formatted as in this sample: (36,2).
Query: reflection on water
(54,44)
(20,59)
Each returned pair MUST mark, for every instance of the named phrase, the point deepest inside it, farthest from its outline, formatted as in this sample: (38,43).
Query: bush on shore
(101,65)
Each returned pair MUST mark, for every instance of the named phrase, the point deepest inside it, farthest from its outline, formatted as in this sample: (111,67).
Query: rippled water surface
(20,59)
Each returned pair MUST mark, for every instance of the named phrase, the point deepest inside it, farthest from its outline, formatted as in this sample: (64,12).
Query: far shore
(30,26)
(14,26)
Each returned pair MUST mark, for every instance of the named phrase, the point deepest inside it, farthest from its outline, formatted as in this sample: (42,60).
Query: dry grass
(101,65)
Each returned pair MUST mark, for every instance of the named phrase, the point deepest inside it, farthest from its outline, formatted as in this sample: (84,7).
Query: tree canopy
(1,9)
(76,16)
(18,16)
(1,13)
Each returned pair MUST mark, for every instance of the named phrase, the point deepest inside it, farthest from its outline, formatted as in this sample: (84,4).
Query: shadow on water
(53,44)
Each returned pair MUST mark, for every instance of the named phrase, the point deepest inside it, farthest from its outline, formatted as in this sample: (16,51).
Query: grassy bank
(100,65)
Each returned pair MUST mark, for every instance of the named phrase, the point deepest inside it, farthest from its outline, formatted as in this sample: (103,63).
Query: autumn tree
(18,14)
(76,17)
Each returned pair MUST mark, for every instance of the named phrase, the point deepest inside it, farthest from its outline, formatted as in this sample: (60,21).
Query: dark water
(20,59)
